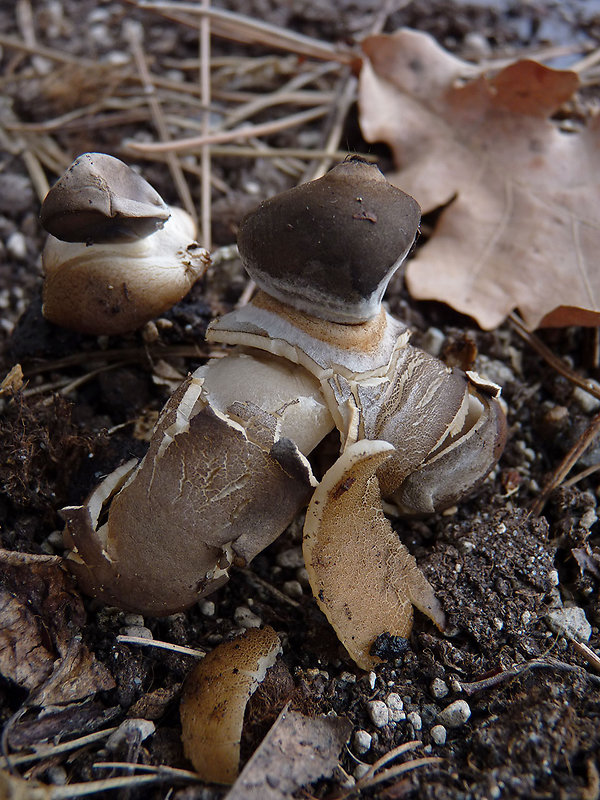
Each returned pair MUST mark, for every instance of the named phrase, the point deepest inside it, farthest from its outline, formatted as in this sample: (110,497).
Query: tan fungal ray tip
(214,700)
(364,579)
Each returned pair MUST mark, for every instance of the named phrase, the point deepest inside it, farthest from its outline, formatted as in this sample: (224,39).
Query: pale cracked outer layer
(209,490)
(448,427)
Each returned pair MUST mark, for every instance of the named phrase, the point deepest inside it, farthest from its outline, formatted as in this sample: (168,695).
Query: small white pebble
(439,688)
(415,720)
(246,618)
(586,401)
(553,577)
(130,731)
(588,519)
(293,589)
(570,622)
(16,246)
(526,617)
(438,734)
(361,742)
(456,714)
(372,677)
(134,619)
(291,558)
(348,677)
(207,607)
(360,770)
(498,624)
(432,341)
(395,706)
(450,512)
(466,546)
(136,630)
(378,712)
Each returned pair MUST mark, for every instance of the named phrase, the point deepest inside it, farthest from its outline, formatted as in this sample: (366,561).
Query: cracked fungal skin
(213,488)
(227,468)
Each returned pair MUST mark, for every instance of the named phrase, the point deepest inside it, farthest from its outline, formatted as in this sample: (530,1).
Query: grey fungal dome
(100,199)
(330,247)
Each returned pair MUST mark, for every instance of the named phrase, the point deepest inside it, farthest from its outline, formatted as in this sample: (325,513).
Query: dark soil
(87,404)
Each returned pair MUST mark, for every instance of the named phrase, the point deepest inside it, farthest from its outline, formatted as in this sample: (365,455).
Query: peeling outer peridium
(321,347)
(94,506)
(324,349)
(363,578)
(483,384)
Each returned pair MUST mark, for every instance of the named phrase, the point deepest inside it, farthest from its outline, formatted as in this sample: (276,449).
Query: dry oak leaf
(522,225)
(41,648)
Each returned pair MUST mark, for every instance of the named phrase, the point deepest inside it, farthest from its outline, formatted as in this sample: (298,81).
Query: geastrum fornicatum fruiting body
(117,256)
(227,467)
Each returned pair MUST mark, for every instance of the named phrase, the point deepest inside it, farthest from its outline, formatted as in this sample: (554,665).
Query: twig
(137,354)
(245,132)
(159,122)
(175,648)
(565,466)
(396,772)
(51,750)
(251,31)
(390,756)
(255,579)
(554,361)
(585,473)
(205,157)
(35,49)
(152,769)
(75,790)
(346,97)
(513,672)
(586,652)
(305,154)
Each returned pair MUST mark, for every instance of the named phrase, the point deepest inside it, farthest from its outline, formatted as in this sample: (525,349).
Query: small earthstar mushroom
(227,467)
(117,256)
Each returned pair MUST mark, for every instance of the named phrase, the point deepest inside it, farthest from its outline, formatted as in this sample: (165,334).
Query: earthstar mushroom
(227,467)
(117,256)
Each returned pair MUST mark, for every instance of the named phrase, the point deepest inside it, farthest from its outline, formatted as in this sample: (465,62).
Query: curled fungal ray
(364,579)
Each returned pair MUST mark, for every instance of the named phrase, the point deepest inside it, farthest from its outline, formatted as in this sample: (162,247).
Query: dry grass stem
(174,648)
(247,30)
(160,124)
(553,360)
(205,155)
(44,751)
(592,658)
(571,458)
(195,143)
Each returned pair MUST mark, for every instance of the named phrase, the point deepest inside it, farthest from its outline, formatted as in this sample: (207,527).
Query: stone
(439,688)
(361,742)
(570,622)
(438,734)
(456,714)
(378,712)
